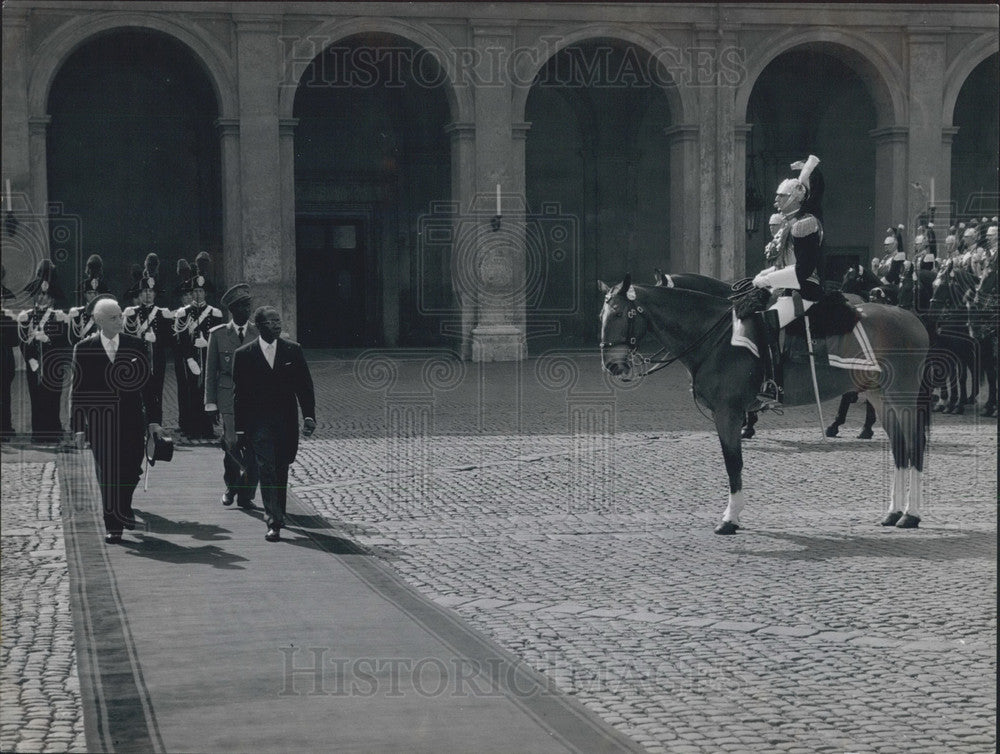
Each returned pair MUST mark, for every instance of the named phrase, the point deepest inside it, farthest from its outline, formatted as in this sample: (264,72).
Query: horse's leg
(915,434)
(748,430)
(990,361)
(845,402)
(897,497)
(866,431)
(727,424)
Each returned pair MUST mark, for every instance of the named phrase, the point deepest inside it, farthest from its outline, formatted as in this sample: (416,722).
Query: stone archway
(132,151)
(974,163)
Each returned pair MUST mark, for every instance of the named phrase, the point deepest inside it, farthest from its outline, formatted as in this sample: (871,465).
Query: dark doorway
(335,306)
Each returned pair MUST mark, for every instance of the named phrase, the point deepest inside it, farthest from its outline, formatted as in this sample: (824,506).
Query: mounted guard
(794,275)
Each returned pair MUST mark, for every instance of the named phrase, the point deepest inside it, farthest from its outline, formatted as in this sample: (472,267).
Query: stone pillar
(38,185)
(927,59)
(716,157)
(942,193)
(260,173)
(463,187)
(229,149)
(16,130)
(740,131)
(498,257)
(684,195)
(286,156)
(890,181)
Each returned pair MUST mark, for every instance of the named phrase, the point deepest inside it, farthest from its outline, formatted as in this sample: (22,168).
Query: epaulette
(129,311)
(74,311)
(216,312)
(805,227)
(900,255)
(23,316)
(218,327)
(166,313)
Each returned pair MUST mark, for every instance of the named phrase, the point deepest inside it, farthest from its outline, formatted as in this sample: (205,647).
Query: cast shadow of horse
(166,551)
(969,545)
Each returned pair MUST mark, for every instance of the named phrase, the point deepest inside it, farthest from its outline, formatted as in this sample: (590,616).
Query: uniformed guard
(192,324)
(155,327)
(8,365)
(774,224)
(794,275)
(42,331)
(182,296)
(80,324)
(895,255)
(239,468)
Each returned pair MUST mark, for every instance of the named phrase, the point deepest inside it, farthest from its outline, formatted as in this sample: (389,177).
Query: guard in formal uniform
(154,326)
(239,468)
(774,224)
(80,323)
(42,331)
(192,325)
(895,255)
(182,296)
(795,275)
(8,366)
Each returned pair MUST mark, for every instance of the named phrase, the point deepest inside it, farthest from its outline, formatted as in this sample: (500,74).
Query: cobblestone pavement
(39,685)
(570,521)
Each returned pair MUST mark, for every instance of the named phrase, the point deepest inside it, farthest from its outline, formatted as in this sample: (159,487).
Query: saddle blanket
(850,351)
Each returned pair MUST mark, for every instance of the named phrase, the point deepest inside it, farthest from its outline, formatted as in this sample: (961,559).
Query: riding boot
(767,344)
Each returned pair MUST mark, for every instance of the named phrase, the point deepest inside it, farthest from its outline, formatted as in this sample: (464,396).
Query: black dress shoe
(227,499)
(112,539)
(248,504)
(129,524)
(273,535)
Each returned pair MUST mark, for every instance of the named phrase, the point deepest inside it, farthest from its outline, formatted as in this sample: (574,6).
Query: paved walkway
(510,558)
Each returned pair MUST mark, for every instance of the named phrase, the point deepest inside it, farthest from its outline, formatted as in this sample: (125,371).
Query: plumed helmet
(95,266)
(151,265)
(45,281)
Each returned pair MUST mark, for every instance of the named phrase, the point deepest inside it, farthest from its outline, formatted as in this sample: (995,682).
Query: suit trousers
(7,372)
(241,487)
(45,393)
(273,471)
(118,463)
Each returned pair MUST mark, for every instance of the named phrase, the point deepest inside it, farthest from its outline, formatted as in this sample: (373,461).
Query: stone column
(38,185)
(890,181)
(498,256)
(16,130)
(684,195)
(927,59)
(286,155)
(942,194)
(740,131)
(229,150)
(463,188)
(260,169)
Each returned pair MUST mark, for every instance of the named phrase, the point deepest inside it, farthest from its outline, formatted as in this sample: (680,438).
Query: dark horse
(695,327)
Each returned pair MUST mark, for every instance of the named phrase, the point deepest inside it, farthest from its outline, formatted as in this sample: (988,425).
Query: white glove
(200,342)
(761,281)
(33,363)
(42,337)
(150,336)
(210,407)
(193,366)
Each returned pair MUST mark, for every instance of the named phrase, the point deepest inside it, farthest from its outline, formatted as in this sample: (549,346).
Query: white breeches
(786,309)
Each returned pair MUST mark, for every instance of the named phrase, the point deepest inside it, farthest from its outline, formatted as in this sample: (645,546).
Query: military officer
(42,331)
(80,322)
(192,324)
(8,366)
(794,275)
(239,468)
(182,296)
(154,326)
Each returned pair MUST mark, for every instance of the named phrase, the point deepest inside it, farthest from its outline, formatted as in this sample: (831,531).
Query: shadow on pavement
(891,543)
(155,548)
(159,525)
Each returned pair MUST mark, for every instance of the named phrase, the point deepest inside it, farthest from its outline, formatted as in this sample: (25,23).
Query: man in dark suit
(270,375)
(106,407)
(239,470)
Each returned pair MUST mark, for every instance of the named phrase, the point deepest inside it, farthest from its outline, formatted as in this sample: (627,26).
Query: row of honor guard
(46,334)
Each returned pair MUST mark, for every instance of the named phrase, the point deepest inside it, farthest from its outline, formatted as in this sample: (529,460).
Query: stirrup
(769,398)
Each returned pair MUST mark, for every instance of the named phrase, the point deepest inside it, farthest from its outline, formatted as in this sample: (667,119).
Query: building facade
(462,174)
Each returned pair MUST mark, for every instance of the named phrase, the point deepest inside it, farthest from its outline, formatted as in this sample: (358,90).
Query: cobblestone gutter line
(39,684)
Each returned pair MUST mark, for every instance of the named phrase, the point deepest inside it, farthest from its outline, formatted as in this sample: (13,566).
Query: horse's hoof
(908,522)
(748,432)
(949,409)
(727,527)
(831,431)
(891,519)
(939,408)
(866,434)
(959,409)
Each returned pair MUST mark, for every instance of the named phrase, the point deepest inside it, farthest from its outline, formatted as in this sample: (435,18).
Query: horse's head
(622,327)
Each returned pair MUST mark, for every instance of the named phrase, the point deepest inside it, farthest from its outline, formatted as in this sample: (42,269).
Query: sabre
(812,370)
